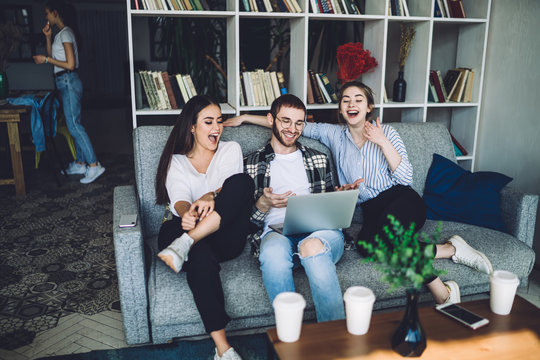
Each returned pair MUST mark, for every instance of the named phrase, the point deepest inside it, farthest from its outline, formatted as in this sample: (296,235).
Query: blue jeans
(279,254)
(70,87)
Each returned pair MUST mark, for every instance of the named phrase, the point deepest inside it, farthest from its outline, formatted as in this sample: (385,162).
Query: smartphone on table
(462,315)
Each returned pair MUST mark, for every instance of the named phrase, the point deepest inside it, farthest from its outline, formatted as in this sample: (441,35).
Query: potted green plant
(10,36)
(403,262)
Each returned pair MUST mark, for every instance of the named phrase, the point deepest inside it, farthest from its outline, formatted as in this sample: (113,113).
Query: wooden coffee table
(515,336)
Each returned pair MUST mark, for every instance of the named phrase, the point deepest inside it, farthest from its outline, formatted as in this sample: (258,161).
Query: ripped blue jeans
(280,254)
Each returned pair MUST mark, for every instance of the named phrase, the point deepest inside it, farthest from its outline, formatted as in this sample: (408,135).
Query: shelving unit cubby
(439,44)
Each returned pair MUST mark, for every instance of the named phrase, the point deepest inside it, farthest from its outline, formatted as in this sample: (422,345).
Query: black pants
(400,201)
(233,204)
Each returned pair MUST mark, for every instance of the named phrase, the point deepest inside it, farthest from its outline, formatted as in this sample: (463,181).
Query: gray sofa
(157,304)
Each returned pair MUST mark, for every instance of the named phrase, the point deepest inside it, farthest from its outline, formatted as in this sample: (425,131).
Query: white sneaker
(453,288)
(175,254)
(466,255)
(230,354)
(92,173)
(74,168)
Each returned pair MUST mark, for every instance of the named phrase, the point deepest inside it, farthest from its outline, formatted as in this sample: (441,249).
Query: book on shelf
(441,83)
(447,8)
(245,3)
(450,81)
(281,82)
(176,91)
(460,85)
(250,98)
(458,145)
(309,98)
(432,94)
(296,6)
(467,97)
(169,90)
(182,86)
(434,79)
(138,91)
(317,93)
(437,10)
(440,5)
(405,8)
(326,96)
(394,5)
(275,84)
(329,88)
(456,8)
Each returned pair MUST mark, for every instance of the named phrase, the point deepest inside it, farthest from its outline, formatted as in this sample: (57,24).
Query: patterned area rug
(56,249)
(250,347)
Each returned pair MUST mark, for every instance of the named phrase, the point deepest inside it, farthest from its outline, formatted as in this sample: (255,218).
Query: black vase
(409,338)
(400,88)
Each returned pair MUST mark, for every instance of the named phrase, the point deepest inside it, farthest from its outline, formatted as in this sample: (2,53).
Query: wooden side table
(11,115)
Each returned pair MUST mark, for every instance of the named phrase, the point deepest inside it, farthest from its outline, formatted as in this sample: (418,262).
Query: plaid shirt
(257,165)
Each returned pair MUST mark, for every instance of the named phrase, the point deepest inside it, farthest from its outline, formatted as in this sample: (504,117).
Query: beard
(280,137)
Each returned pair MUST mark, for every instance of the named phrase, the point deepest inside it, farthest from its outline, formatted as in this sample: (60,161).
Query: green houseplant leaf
(401,260)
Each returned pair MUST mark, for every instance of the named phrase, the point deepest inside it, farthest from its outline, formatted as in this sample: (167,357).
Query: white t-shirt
(184,183)
(66,35)
(287,173)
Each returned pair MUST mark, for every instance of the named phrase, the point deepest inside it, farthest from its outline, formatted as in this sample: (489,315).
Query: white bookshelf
(440,43)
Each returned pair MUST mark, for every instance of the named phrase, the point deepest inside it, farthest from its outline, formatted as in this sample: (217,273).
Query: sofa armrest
(519,214)
(130,267)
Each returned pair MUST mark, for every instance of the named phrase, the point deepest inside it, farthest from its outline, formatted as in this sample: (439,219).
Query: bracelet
(46,60)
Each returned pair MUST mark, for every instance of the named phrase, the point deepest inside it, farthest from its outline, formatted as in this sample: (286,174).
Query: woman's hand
(354,185)
(47,31)
(374,133)
(189,220)
(204,206)
(39,59)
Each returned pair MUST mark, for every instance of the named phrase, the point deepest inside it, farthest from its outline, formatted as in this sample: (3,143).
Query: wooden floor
(80,333)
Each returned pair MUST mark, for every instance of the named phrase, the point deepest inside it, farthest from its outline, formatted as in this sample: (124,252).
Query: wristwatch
(215,194)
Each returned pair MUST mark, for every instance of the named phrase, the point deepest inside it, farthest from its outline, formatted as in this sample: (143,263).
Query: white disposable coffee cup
(358,307)
(503,286)
(289,311)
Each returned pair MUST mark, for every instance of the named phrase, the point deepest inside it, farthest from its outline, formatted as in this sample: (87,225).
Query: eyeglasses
(286,123)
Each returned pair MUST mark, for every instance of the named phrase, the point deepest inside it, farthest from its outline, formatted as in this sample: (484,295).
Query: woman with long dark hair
(210,198)
(64,55)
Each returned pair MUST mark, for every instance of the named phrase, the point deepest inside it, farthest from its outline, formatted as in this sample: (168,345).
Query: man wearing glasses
(281,169)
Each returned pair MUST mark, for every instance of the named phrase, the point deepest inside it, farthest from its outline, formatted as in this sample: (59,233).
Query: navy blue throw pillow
(455,194)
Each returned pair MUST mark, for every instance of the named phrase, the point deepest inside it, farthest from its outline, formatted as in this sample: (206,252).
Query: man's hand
(352,186)
(269,200)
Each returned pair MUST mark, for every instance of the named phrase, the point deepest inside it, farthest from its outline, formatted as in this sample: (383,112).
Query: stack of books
(290,6)
(199,5)
(261,88)
(336,6)
(319,89)
(449,9)
(398,8)
(163,91)
(457,85)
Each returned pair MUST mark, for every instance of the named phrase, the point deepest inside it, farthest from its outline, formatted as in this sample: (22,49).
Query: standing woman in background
(63,54)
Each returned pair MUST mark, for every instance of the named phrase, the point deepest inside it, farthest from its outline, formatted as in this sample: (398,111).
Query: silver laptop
(312,212)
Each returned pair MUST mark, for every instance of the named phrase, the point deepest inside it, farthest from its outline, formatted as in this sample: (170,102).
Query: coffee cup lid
(291,299)
(359,293)
(505,277)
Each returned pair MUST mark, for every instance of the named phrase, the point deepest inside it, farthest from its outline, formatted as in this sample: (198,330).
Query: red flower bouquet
(353,61)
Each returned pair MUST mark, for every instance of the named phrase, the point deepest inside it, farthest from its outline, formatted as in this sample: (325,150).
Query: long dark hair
(181,141)
(368,93)
(68,15)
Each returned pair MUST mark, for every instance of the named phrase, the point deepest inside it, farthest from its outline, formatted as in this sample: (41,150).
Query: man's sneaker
(175,254)
(466,255)
(453,288)
(74,168)
(230,354)
(92,173)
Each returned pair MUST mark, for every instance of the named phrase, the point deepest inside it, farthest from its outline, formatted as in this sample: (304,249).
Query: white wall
(509,130)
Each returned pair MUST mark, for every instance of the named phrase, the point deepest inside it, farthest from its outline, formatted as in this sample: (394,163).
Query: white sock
(179,246)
